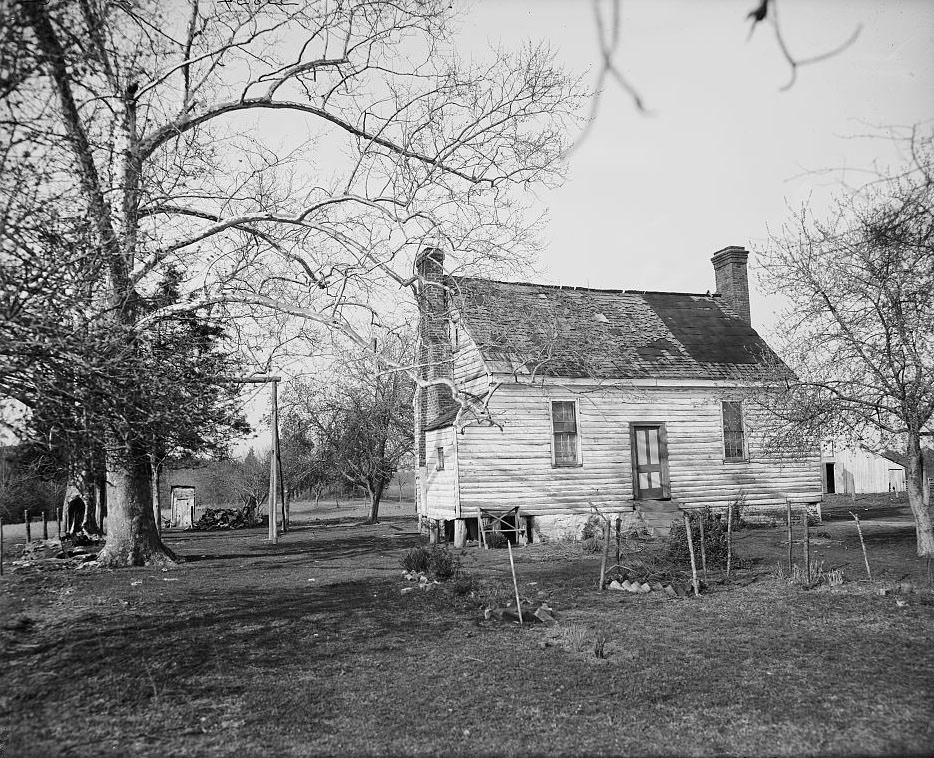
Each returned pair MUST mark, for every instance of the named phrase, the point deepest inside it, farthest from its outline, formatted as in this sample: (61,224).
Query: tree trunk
(91,524)
(132,538)
(914,479)
(156,470)
(81,507)
(375,494)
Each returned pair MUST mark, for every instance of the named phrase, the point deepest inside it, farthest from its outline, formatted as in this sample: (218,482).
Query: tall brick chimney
(729,264)
(434,340)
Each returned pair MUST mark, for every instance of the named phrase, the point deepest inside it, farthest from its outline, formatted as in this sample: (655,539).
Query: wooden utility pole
(274,465)
(282,493)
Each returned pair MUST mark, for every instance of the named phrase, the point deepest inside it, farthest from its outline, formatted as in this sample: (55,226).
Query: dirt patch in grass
(310,648)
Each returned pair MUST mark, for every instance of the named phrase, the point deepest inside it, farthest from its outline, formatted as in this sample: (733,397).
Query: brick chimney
(434,340)
(729,264)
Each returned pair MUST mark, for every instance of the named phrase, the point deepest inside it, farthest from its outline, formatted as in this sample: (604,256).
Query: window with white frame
(734,439)
(439,466)
(564,429)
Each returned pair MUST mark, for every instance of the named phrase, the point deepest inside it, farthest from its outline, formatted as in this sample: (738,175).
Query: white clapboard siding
(861,471)
(512,465)
(440,485)
(469,370)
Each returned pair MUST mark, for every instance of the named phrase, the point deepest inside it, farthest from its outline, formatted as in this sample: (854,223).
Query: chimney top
(729,266)
(434,254)
(737,252)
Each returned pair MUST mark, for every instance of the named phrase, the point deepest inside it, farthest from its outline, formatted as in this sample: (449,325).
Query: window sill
(567,465)
(736,460)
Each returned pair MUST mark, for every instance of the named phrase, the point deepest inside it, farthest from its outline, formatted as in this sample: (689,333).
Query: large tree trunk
(920,508)
(132,537)
(82,507)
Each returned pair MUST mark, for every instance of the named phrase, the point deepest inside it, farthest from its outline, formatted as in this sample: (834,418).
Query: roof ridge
(574,287)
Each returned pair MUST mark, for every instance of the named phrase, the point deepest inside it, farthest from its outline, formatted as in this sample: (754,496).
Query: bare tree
(359,420)
(151,123)
(860,330)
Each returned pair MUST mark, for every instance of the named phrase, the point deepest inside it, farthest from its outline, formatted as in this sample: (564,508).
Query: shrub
(416,560)
(464,584)
(443,564)
(736,505)
(715,540)
(593,529)
(592,545)
(496,540)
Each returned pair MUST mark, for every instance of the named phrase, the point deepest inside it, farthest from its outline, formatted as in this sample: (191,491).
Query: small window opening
(734,442)
(564,427)
(439,466)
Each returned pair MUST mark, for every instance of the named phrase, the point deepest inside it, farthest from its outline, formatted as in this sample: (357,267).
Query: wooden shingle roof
(575,332)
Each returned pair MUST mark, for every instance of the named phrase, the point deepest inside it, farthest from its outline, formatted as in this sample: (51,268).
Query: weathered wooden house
(566,398)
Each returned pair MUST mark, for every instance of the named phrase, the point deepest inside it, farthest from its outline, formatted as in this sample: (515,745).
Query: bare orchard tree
(305,465)
(358,419)
(860,329)
(170,130)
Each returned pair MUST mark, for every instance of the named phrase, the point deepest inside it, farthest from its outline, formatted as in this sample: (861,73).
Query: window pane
(641,436)
(732,417)
(653,445)
(643,481)
(562,413)
(565,448)
(733,442)
(564,423)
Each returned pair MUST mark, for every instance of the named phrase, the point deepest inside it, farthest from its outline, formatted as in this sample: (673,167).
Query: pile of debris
(225,518)
(537,613)
(424,583)
(54,554)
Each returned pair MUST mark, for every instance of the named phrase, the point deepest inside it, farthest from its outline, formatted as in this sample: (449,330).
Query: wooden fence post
(687,528)
(515,583)
(729,539)
(862,544)
(45,525)
(28,526)
(1,546)
(790,535)
(606,553)
(807,546)
(703,547)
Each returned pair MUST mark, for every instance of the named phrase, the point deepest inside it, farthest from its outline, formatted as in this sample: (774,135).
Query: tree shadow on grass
(312,547)
(259,628)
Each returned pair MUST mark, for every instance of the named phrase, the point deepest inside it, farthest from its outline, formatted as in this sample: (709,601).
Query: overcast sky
(649,198)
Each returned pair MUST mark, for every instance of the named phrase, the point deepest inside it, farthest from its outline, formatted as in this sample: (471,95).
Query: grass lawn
(310,648)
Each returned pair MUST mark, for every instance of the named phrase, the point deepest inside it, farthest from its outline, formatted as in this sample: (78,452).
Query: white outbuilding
(856,470)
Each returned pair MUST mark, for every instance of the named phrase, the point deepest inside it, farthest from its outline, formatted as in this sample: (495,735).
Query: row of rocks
(673,589)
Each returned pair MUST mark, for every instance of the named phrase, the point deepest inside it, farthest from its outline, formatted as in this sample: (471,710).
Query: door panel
(649,462)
